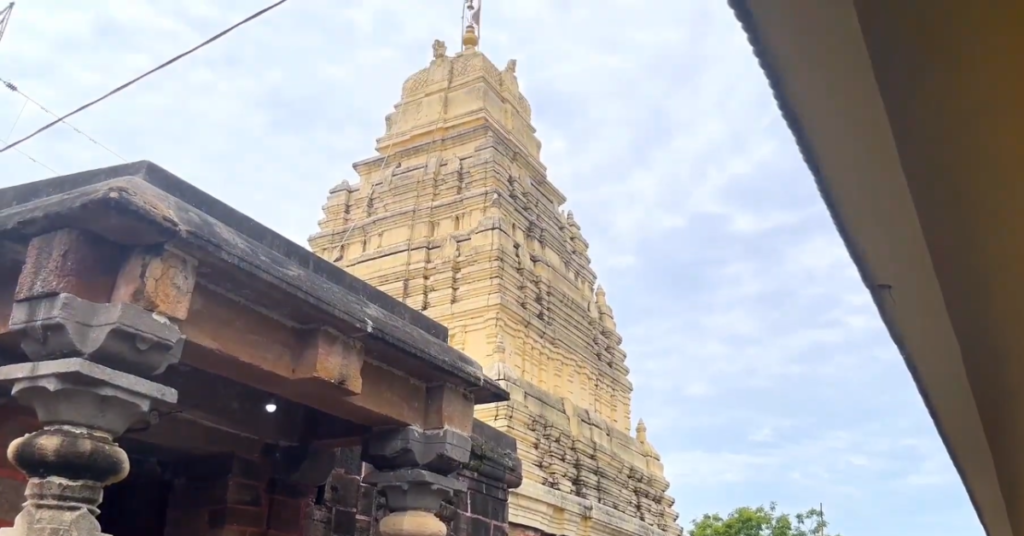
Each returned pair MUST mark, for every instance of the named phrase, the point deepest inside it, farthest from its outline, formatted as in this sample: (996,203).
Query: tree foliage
(762,521)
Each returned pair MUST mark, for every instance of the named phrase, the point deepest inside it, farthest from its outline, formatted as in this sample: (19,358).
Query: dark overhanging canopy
(910,121)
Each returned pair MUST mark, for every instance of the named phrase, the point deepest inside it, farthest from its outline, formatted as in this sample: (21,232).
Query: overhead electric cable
(16,119)
(144,75)
(14,88)
(48,168)
(5,18)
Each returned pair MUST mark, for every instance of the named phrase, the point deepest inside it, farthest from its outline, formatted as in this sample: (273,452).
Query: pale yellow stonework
(457,218)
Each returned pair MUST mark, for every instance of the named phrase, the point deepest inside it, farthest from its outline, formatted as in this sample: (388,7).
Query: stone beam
(315,367)
(448,407)
(152,291)
(236,420)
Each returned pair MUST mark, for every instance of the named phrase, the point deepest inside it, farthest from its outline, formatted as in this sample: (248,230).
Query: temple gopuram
(456,217)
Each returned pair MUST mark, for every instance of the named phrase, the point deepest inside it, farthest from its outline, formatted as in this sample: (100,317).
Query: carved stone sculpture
(439,49)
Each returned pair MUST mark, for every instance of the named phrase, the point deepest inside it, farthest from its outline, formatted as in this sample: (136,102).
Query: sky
(758,360)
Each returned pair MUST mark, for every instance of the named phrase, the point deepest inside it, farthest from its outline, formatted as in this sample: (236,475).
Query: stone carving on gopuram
(456,217)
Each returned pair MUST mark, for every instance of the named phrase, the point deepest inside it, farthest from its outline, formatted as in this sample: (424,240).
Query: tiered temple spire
(456,217)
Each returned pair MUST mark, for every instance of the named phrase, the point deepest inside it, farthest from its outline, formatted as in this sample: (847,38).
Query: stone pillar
(414,469)
(82,407)
(92,319)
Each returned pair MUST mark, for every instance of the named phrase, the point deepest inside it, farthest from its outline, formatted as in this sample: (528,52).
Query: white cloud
(758,359)
(698,468)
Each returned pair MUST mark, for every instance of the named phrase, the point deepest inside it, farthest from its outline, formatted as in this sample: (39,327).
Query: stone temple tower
(456,216)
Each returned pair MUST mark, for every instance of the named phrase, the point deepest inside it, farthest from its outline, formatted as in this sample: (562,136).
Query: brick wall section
(15,422)
(233,496)
(289,506)
(494,466)
(482,510)
(349,507)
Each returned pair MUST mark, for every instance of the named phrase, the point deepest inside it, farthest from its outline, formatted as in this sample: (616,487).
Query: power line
(147,73)
(23,153)
(26,155)
(16,119)
(28,99)
(5,17)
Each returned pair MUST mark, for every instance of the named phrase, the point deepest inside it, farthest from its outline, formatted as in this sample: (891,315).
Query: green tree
(761,521)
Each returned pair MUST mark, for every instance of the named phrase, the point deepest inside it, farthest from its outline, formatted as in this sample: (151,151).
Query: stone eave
(141,203)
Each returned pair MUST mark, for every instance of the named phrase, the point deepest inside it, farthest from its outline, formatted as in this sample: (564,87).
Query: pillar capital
(78,392)
(441,451)
(413,468)
(80,295)
(92,317)
(118,335)
(82,406)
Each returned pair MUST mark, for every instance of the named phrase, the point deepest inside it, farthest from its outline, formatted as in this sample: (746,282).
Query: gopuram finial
(471,21)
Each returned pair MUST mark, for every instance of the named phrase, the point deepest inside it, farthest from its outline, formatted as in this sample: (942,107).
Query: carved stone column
(413,467)
(82,407)
(92,320)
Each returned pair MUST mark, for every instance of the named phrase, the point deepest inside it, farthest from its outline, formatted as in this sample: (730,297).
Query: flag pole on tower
(475,16)
(471,32)
(462,25)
